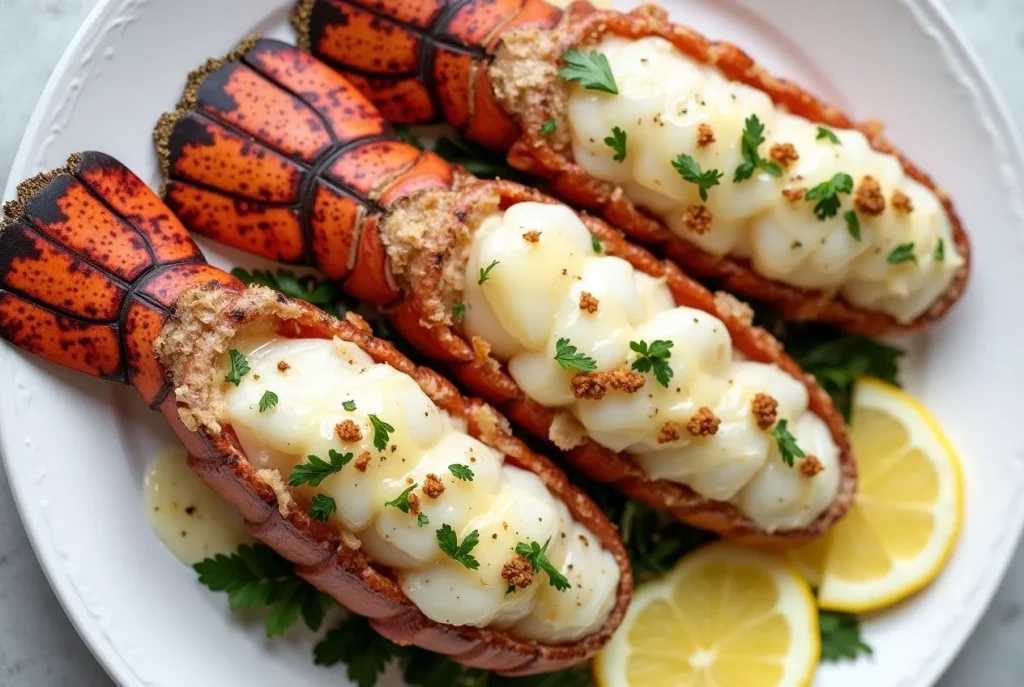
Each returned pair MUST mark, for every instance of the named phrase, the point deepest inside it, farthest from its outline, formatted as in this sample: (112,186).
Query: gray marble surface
(39,647)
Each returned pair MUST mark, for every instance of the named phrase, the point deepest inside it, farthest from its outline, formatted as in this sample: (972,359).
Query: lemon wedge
(904,523)
(723,617)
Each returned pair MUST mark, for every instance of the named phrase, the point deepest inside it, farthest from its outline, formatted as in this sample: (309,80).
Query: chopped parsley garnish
(537,555)
(461,472)
(753,136)
(316,470)
(321,507)
(828,135)
(902,253)
(788,448)
(569,359)
(653,357)
(689,169)
(422,519)
(381,432)
(940,251)
(852,224)
(595,243)
(547,128)
(485,272)
(239,367)
(840,636)
(458,310)
(827,195)
(401,502)
(267,401)
(448,542)
(617,142)
(590,69)
(349,405)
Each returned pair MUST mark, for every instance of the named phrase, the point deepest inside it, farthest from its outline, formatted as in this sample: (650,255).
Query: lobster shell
(97,275)
(417,299)
(331,28)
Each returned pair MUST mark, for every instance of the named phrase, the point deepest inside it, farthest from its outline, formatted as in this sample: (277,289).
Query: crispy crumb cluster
(784,154)
(765,410)
(868,197)
(669,432)
(588,302)
(348,431)
(697,218)
(518,572)
(704,423)
(594,385)
(433,486)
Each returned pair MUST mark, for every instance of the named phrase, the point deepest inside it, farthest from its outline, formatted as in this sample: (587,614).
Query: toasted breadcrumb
(588,302)
(784,154)
(765,410)
(414,504)
(282,366)
(730,306)
(532,236)
(594,385)
(811,466)
(697,218)
(348,431)
(272,478)
(704,423)
(482,350)
(433,486)
(705,135)
(902,202)
(794,195)
(518,572)
(669,432)
(565,432)
(362,461)
(868,197)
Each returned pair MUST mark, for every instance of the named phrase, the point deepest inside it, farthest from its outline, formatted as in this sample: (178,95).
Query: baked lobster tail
(424,238)
(894,257)
(96,274)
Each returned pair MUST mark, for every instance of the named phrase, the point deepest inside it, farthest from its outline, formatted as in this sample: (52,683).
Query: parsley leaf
(690,170)
(940,251)
(788,448)
(461,472)
(349,405)
(617,142)
(595,243)
(485,272)
(840,636)
(590,69)
(827,195)
(653,357)
(401,502)
(364,652)
(852,224)
(239,367)
(828,135)
(316,470)
(381,432)
(321,507)
(547,128)
(422,519)
(537,555)
(448,542)
(567,357)
(902,253)
(753,136)
(459,310)
(267,401)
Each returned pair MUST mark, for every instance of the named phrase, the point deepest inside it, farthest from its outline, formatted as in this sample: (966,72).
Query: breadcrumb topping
(566,432)
(362,461)
(414,503)
(784,154)
(705,135)
(697,218)
(811,466)
(794,195)
(765,410)
(868,198)
(532,236)
(588,302)
(433,486)
(704,424)
(594,385)
(282,366)
(348,431)
(902,202)
(669,432)
(518,572)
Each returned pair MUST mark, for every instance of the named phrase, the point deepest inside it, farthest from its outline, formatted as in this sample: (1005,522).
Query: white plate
(76,448)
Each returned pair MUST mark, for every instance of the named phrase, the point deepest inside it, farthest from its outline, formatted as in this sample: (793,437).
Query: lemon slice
(904,523)
(723,617)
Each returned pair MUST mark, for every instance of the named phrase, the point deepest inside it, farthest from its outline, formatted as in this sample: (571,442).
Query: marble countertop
(38,645)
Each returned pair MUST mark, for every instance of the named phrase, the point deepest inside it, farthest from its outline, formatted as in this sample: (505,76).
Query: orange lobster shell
(208,160)
(96,274)
(406,66)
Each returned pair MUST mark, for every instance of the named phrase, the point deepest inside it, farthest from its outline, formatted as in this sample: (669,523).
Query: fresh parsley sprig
(381,432)
(689,169)
(653,356)
(448,542)
(753,136)
(840,637)
(617,142)
(568,358)
(939,254)
(322,506)
(826,195)
(595,244)
(902,253)
(462,472)
(458,310)
(828,135)
(401,502)
(590,69)
(485,272)
(267,401)
(537,555)
(349,405)
(239,367)
(548,127)
(316,469)
(788,448)
(852,224)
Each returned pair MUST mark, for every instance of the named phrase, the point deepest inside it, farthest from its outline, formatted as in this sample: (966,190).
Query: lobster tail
(91,264)
(422,62)
(274,153)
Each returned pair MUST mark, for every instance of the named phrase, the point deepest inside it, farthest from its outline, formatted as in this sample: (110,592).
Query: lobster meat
(97,274)
(491,69)
(273,152)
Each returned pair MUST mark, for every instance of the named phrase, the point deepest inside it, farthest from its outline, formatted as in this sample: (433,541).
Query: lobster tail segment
(91,263)
(422,62)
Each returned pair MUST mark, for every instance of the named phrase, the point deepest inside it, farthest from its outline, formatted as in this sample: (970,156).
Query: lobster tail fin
(422,61)
(91,263)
